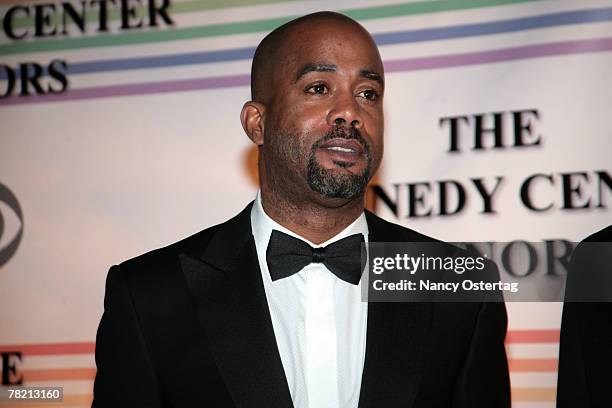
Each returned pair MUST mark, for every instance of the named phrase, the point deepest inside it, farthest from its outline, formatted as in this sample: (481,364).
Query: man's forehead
(323,48)
(373,74)
(323,35)
(323,38)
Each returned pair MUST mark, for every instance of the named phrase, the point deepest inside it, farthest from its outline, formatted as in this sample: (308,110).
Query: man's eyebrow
(312,67)
(375,76)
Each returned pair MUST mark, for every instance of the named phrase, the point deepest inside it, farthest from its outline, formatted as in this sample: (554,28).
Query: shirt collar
(262,226)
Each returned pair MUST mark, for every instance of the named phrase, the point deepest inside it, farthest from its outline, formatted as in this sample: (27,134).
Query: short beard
(335,185)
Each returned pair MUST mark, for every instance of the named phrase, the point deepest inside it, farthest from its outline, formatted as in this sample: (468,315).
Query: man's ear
(252,118)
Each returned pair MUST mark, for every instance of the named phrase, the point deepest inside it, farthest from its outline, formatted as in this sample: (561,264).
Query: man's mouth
(343,146)
(341,149)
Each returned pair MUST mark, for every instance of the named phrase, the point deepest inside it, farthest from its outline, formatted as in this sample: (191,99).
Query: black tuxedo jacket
(585,352)
(188,326)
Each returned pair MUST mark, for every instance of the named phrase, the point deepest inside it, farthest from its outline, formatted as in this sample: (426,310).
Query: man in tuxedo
(585,349)
(265,309)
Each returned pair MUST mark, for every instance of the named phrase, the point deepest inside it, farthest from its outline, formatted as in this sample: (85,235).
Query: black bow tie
(287,255)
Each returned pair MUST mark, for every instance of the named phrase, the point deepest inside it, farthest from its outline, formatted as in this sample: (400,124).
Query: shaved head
(316,115)
(279,47)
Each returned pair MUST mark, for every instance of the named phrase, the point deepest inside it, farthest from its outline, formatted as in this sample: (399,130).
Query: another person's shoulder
(593,245)
(589,278)
(603,235)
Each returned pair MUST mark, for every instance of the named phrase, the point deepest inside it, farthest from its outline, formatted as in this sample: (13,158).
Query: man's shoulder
(169,253)
(194,245)
(408,241)
(399,233)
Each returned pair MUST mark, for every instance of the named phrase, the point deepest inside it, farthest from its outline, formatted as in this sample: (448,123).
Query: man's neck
(313,221)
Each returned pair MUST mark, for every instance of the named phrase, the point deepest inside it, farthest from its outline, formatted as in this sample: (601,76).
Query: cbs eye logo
(11,224)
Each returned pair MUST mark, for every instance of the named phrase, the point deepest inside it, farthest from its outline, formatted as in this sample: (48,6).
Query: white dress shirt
(319,323)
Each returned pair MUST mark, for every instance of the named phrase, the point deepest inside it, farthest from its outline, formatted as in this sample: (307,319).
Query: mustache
(341,132)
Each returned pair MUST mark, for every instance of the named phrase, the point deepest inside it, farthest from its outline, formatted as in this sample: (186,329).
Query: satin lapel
(396,340)
(226,283)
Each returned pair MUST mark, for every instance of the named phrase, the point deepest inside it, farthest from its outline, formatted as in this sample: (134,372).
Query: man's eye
(317,89)
(369,94)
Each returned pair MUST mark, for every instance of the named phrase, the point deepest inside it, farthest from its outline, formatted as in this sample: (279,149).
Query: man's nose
(345,112)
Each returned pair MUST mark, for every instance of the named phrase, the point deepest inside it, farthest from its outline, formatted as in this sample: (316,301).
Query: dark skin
(320,72)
